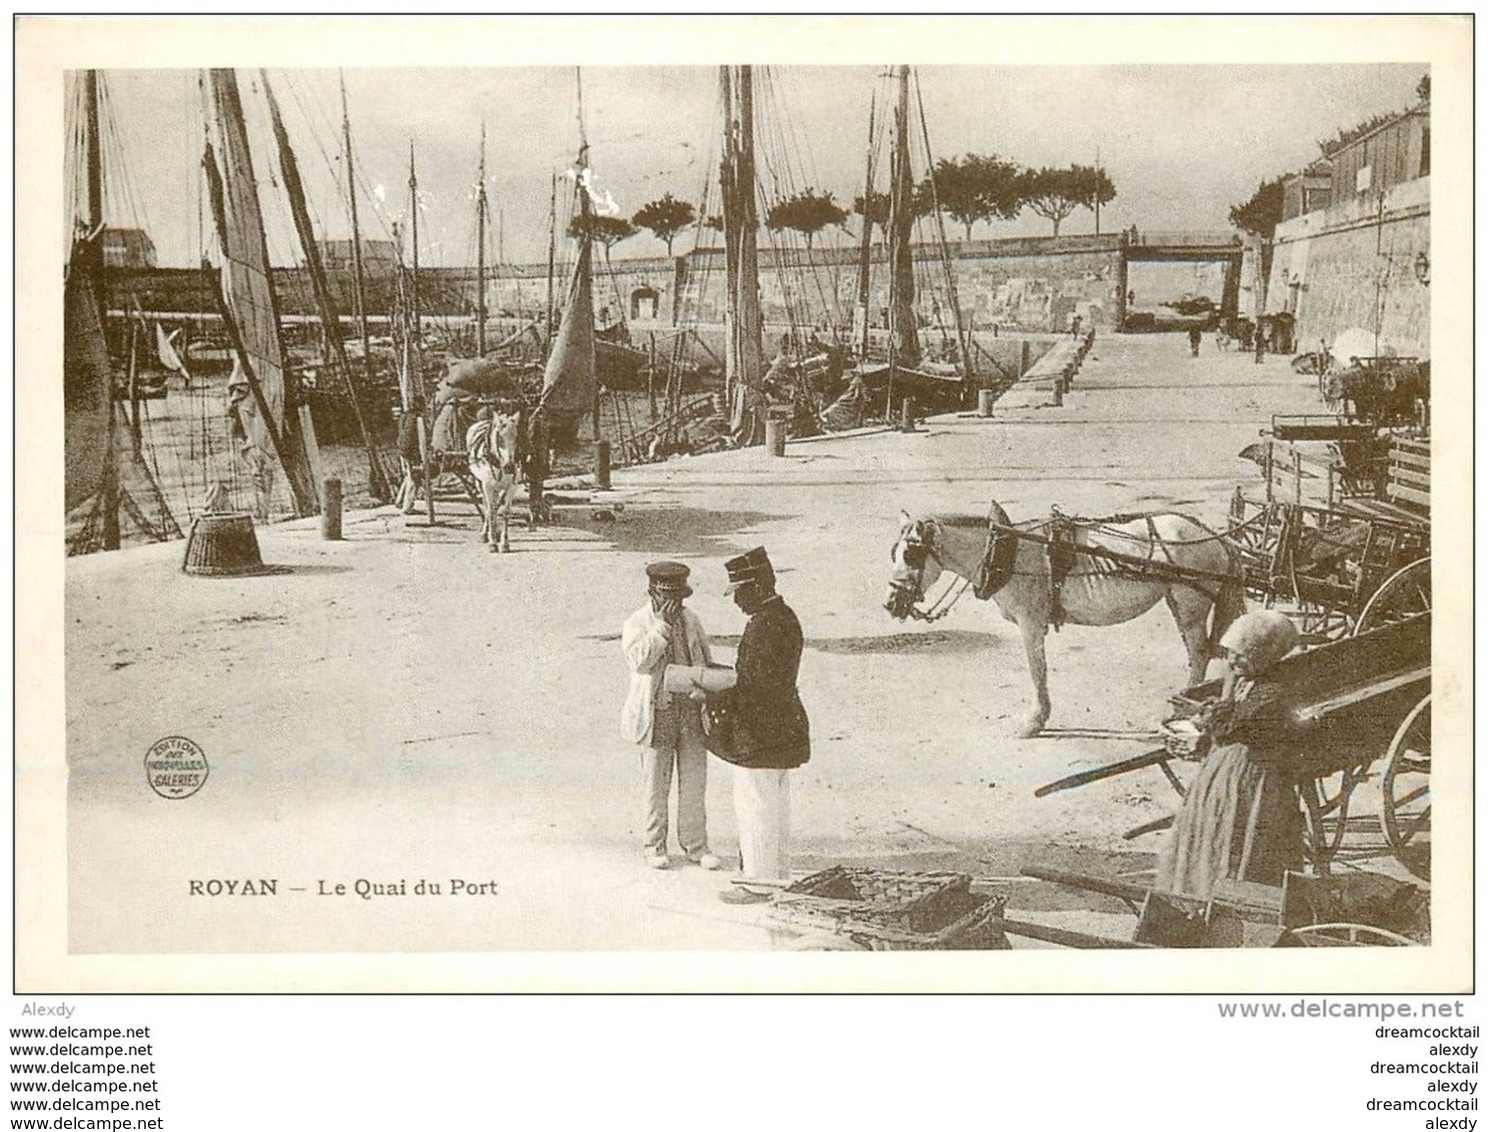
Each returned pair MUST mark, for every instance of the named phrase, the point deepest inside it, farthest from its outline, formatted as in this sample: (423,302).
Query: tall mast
(93,253)
(480,253)
(744,360)
(963,332)
(569,387)
(93,145)
(552,257)
(904,343)
(330,319)
(865,249)
(418,322)
(356,240)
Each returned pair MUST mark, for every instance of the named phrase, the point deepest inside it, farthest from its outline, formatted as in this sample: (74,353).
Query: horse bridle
(922,547)
(504,462)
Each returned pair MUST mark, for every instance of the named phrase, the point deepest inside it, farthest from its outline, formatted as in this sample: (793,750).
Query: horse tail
(1228,605)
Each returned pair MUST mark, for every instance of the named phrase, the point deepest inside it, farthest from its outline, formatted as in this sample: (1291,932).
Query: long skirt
(1239,821)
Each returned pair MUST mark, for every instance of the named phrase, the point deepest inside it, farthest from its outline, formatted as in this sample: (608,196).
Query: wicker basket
(896,911)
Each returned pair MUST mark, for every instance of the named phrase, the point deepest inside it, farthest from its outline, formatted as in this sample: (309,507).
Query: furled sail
(87,380)
(568,380)
(87,377)
(109,493)
(904,334)
(262,404)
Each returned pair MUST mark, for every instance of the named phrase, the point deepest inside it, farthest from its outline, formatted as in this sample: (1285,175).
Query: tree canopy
(975,187)
(606,230)
(1093,185)
(1055,193)
(664,218)
(1262,212)
(807,212)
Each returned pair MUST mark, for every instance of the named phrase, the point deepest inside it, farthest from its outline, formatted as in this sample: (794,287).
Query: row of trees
(970,189)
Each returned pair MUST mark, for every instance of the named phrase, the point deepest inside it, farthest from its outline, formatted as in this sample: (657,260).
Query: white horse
(1116,571)
(491,447)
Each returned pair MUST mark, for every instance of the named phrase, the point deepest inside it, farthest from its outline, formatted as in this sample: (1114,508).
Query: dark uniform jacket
(770,726)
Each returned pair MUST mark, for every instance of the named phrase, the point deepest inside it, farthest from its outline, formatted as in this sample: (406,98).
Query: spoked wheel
(1402,595)
(1405,792)
(1325,801)
(1317,623)
(1348,935)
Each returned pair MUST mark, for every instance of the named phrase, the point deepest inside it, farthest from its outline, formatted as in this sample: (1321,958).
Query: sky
(1182,143)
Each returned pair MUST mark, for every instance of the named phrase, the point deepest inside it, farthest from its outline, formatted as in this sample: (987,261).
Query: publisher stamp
(176,767)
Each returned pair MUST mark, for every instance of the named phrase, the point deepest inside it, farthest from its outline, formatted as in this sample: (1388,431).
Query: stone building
(1363,259)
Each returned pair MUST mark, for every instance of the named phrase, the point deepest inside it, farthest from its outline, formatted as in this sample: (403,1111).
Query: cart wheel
(1405,792)
(1403,594)
(1325,802)
(1347,935)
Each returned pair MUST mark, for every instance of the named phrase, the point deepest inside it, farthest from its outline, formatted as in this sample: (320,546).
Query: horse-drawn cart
(1363,704)
(1340,538)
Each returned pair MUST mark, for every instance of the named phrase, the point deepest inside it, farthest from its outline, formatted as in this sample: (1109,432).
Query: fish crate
(896,911)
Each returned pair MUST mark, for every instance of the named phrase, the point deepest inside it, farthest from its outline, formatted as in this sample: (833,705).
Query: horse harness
(1060,536)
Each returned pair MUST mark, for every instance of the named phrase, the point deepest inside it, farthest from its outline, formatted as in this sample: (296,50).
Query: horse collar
(997,562)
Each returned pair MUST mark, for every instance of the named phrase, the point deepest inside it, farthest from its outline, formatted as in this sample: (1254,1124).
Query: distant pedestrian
(771,733)
(1075,322)
(1260,344)
(1195,338)
(668,728)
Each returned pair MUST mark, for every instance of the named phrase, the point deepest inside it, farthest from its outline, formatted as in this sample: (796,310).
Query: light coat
(646,640)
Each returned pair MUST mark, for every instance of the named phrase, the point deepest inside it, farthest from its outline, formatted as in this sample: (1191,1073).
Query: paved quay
(405,706)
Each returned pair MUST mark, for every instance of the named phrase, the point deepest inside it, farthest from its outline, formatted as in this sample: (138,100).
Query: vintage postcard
(583,503)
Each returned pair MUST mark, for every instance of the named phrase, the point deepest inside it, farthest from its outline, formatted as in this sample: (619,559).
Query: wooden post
(651,377)
(330,511)
(426,447)
(537,474)
(775,430)
(602,465)
(1026,363)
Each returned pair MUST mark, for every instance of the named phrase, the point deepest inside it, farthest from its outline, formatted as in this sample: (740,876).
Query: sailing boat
(102,476)
(904,370)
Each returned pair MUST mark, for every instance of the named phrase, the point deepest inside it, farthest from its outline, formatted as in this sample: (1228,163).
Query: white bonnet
(1265,635)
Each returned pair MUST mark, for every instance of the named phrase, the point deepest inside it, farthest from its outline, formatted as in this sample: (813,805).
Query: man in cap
(771,735)
(667,727)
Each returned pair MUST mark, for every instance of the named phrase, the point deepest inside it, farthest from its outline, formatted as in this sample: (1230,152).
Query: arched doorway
(643,302)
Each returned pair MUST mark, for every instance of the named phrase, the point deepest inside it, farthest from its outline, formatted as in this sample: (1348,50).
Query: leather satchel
(718,724)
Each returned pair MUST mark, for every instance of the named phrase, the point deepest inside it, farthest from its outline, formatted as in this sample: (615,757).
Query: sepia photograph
(556,504)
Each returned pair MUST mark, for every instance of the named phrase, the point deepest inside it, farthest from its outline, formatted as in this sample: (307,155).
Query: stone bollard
(906,416)
(1026,363)
(1058,392)
(776,430)
(602,465)
(985,397)
(330,510)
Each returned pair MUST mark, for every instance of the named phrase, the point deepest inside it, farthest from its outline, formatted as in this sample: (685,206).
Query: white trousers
(762,809)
